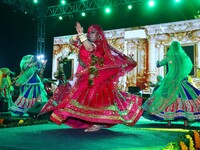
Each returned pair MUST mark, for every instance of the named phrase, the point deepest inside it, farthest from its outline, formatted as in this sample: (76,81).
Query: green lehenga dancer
(31,87)
(6,87)
(175,98)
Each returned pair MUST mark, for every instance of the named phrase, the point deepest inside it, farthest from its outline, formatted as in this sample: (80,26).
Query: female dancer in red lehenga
(94,101)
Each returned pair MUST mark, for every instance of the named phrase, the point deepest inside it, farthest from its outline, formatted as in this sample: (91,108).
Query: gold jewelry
(82,38)
(75,38)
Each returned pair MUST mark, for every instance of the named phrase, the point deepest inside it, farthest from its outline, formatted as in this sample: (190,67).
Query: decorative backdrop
(147,44)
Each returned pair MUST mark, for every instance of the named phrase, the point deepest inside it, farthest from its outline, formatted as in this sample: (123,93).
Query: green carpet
(145,135)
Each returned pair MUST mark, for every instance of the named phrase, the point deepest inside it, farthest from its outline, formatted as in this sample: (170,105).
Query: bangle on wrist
(79,34)
(82,37)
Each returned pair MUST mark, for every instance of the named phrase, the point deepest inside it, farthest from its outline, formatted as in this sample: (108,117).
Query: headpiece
(26,59)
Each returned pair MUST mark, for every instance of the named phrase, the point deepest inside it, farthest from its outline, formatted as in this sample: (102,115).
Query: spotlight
(107,10)
(151,3)
(130,7)
(60,17)
(83,14)
(35,1)
(198,15)
(63,2)
(40,58)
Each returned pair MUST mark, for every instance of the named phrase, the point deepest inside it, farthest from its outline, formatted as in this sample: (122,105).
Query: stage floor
(145,135)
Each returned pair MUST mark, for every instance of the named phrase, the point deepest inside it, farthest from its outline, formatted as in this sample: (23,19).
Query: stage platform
(145,135)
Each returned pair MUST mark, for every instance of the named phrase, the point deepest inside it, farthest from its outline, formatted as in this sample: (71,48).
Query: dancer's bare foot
(94,128)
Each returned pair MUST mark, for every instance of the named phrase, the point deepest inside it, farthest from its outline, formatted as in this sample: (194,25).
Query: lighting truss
(25,6)
(41,11)
(37,10)
(88,5)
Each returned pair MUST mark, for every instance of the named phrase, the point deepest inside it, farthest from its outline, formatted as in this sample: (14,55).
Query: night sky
(19,31)
(18,37)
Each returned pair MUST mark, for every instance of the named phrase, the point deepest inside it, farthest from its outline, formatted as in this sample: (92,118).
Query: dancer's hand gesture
(79,28)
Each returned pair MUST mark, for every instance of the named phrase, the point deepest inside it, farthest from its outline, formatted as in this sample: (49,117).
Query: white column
(132,49)
(198,55)
(160,57)
(151,62)
(151,56)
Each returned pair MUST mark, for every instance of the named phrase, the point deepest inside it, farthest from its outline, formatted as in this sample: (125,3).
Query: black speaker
(134,90)
(35,110)
(3,106)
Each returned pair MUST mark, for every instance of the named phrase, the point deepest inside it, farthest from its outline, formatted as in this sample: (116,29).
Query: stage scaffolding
(43,9)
